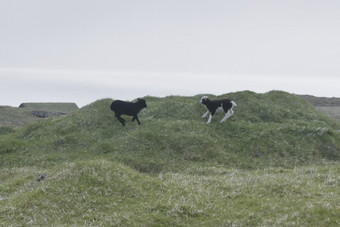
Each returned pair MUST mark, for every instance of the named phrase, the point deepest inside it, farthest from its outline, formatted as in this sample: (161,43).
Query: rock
(45,114)
(38,179)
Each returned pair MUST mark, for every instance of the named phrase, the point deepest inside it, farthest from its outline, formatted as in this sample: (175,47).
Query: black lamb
(127,108)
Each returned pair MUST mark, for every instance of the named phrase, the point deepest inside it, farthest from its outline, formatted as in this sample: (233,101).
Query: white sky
(83,50)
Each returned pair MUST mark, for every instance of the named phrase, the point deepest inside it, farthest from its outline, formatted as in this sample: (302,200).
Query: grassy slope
(270,163)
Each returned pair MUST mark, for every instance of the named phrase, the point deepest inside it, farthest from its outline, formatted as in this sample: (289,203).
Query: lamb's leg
(135,117)
(209,120)
(121,120)
(231,112)
(227,115)
(206,114)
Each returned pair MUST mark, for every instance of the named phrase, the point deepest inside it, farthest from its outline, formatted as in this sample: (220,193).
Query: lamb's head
(141,103)
(203,99)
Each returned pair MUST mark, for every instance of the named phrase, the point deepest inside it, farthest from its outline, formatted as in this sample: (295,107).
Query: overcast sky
(84,50)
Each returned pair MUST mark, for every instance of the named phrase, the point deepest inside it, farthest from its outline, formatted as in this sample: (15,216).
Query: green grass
(274,162)
(100,192)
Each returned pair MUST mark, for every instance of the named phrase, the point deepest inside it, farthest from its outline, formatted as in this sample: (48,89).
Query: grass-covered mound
(273,129)
(271,163)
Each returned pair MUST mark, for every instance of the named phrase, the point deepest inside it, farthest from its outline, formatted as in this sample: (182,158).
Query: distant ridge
(321,101)
(63,107)
(28,113)
(330,106)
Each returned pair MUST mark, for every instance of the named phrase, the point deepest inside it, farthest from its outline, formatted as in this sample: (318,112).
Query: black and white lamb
(127,108)
(214,106)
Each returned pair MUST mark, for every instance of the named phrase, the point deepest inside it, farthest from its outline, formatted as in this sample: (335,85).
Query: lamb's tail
(233,103)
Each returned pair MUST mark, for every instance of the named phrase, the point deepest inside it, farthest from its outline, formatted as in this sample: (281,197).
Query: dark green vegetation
(274,162)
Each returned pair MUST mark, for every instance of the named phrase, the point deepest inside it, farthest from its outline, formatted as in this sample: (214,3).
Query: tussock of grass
(274,162)
(100,192)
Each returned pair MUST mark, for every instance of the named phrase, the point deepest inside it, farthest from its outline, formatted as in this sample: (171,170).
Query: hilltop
(174,169)
(268,129)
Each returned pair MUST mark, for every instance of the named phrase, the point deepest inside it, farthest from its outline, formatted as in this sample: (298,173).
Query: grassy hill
(274,162)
